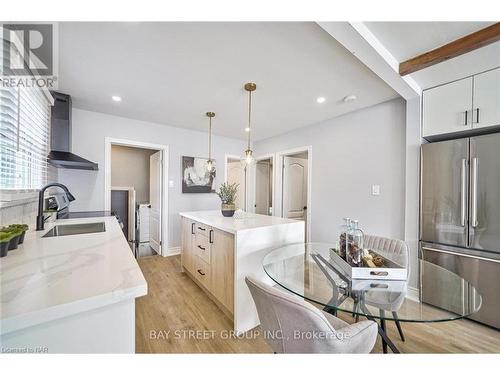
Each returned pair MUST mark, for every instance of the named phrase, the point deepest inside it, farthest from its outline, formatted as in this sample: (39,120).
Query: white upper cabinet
(486,99)
(448,108)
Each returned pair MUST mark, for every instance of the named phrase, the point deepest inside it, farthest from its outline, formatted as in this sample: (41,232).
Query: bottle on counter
(355,248)
(344,238)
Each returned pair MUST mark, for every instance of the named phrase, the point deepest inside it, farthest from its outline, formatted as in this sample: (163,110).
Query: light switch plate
(375,189)
(170,184)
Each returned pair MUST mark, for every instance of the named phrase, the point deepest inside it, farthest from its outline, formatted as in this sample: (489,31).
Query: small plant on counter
(21,228)
(16,231)
(227,194)
(5,238)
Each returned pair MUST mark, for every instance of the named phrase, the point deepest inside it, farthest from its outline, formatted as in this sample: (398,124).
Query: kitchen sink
(72,229)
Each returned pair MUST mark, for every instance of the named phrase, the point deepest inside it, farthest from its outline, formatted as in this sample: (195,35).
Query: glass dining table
(307,270)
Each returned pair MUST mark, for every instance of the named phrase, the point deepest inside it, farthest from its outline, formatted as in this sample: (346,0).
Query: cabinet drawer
(202,229)
(202,272)
(203,247)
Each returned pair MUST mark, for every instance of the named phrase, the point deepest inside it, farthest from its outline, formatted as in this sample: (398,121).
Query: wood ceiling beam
(481,38)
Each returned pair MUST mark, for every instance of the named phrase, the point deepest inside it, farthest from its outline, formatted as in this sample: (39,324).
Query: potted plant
(21,228)
(227,194)
(15,236)
(5,238)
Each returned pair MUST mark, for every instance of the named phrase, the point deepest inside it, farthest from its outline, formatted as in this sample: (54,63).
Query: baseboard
(173,251)
(413,294)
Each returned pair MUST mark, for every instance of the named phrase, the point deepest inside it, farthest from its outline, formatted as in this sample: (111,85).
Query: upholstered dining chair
(396,251)
(292,325)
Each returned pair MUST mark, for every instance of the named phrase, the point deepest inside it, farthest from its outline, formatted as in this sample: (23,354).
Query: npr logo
(27,48)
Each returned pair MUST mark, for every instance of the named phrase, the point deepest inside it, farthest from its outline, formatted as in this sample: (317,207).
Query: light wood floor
(176,308)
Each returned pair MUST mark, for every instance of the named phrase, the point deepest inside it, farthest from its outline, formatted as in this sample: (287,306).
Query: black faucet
(39,219)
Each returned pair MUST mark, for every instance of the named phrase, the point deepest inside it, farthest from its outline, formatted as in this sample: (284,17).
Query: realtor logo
(28,48)
(29,55)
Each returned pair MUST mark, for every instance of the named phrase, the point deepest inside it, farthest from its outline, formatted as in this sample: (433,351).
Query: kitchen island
(217,252)
(70,294)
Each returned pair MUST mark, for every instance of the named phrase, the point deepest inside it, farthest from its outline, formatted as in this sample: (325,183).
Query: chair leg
(383,327)
(398,325)
(357,310)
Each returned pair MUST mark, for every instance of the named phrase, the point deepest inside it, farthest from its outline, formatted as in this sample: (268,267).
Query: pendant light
(248,156)
(210,164)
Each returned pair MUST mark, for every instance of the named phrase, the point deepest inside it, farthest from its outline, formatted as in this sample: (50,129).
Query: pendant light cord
(210,139)
(249,116)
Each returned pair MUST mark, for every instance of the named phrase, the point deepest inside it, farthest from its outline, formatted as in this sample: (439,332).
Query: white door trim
(278,192)
(108,141)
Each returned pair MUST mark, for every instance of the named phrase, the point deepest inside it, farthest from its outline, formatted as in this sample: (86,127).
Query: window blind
(24,138)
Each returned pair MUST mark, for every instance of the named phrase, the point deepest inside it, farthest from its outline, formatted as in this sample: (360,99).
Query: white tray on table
(392,271)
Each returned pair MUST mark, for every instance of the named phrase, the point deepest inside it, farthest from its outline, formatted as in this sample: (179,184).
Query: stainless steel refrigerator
(460,220)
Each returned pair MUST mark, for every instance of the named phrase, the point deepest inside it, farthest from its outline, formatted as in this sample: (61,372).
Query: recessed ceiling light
(247,129)
(116,98)
(321,99)
(349,98)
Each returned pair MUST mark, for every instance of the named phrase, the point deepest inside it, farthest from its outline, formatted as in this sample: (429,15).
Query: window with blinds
(24,138)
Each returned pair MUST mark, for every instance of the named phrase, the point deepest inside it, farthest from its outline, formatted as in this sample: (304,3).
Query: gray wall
(89,131)
(349,154)
(130,167)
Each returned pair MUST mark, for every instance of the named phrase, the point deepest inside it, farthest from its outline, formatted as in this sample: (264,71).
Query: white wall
(349,154)
(130,167)
(89,131)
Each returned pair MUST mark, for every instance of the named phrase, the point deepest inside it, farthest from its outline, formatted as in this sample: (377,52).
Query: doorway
(295,186)
(236,173)
(264,185)
(135,189)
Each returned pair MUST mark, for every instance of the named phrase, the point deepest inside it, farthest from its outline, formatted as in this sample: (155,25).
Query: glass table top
(307,271)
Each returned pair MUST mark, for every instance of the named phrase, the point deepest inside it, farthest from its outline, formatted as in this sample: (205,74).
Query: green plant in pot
(5,238)
(19,227)
(227,194)
(15,236)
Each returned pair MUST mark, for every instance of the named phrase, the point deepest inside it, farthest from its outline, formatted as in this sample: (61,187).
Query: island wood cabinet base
(208,257)
(219,252)
(223,308)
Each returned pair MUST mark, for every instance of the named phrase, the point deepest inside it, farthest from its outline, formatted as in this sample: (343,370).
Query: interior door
(236,174)
(295,188)
(444,192)
(155,189)
(487,99)
(485,193)
(263,186)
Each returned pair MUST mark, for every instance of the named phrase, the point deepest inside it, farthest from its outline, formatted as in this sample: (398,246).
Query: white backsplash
(23,213)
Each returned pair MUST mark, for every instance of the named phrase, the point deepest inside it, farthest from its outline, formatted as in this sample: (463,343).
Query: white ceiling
(405,40)
(172,73)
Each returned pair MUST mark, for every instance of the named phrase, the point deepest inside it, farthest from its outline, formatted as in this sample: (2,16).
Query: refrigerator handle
(463,198)
(475,222)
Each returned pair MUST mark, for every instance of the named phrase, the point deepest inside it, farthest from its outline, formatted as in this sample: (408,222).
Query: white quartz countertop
(232,224)
(51,278)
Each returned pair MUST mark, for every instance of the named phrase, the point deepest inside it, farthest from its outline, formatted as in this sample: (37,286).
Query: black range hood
(60,155)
